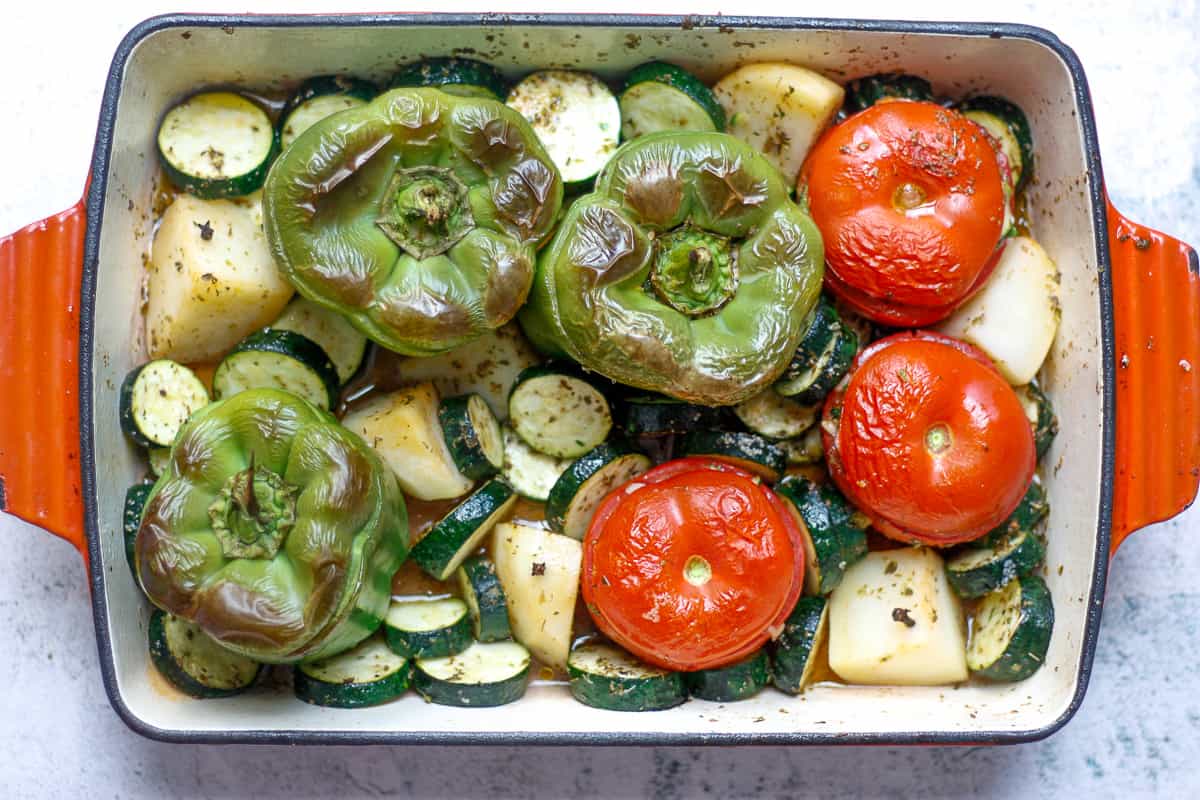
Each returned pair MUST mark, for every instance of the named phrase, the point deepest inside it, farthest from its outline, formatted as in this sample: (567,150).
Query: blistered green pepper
(273,528)
(417,216)
(688,271)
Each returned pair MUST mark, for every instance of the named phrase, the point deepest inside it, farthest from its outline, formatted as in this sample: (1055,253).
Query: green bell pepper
(417,216)
(273,528)
(688,271)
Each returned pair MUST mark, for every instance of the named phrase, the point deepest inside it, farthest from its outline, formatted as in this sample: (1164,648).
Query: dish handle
(1156,317)
(41,268)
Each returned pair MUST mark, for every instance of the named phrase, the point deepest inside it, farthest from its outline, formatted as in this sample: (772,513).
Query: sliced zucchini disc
(531,473)
(558,414)
(485,674)
(739,681)
(131,518)
(978,570)
(459,533)
(865,92)
(427,628)
(481,588)
(794,653)
(279,359)
(1008,124)
(574,115)
(156,400)
(473,435)
(1027,518)
(1010,630)
(193,661)
(217,144)
(603,675)
(340,340)
(834,536)
(318,98)
(578,491)
(365,675)
(806,449)
(461,76)
(746,450)
(655,415)
(771,414)
(1041,416)
(663,97)
(158,458)
(808,378)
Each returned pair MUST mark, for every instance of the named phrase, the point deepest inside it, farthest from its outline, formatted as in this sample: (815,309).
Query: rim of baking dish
(95,216)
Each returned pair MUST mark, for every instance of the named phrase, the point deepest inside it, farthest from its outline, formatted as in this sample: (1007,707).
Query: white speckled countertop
(1137,735)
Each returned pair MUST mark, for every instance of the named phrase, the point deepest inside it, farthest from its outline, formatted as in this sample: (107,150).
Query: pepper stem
(694,271)
(253,512)
(425,211)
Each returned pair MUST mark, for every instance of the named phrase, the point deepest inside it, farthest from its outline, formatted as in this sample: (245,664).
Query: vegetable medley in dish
(663,390)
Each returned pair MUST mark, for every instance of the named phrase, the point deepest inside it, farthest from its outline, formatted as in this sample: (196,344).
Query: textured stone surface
(1137,735)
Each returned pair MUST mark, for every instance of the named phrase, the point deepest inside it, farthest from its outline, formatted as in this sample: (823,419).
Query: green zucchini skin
(746,450)
(739,681)
(458,533)
(1013,557)
(436,643)
(681,80)
(131,519)
(323,85)
(587,480)
(794,653)
(281,346)
(445,692)
(186,394)
(226,187)
(391,680)
(466,441)
(195,684)
(1017,122)
(835,540)
(455,76)
(1026,650)
(808,380)
(484,594)
(1028,517)
(621,683)
(651,415)
(1041,416)
(865,92)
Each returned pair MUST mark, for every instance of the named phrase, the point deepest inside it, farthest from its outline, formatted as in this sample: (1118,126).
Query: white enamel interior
(173,62)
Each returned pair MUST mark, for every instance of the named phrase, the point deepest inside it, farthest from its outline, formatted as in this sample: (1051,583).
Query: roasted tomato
(928,440)
(694,564)
(909,199)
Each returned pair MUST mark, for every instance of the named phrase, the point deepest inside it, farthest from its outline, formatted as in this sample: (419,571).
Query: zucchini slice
(485,674)
(1026,518)
(656,415)
(663,97)
(603,675)
(574,115)
(770,414)
(738,681)
(1010,630)
(341,341)
(158,458)
(484,595)
(217,144)
(834,537)
(365,675)
(1007,122)
(279,359)
(194,662)
(459,533)
(867,91)
(473,435)
(156,400)
(806,449)
(1041,416)
(578,491)
(427,628)
(318,98)
(746,450)
(978,570)
(531,473)
(808,379)
(794,653)
(460,76)
(824,322)
(131,519)
(558,414)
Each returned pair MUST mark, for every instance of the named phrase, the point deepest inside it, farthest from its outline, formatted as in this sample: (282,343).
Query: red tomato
(694,564)
(928,440)
(909,199)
